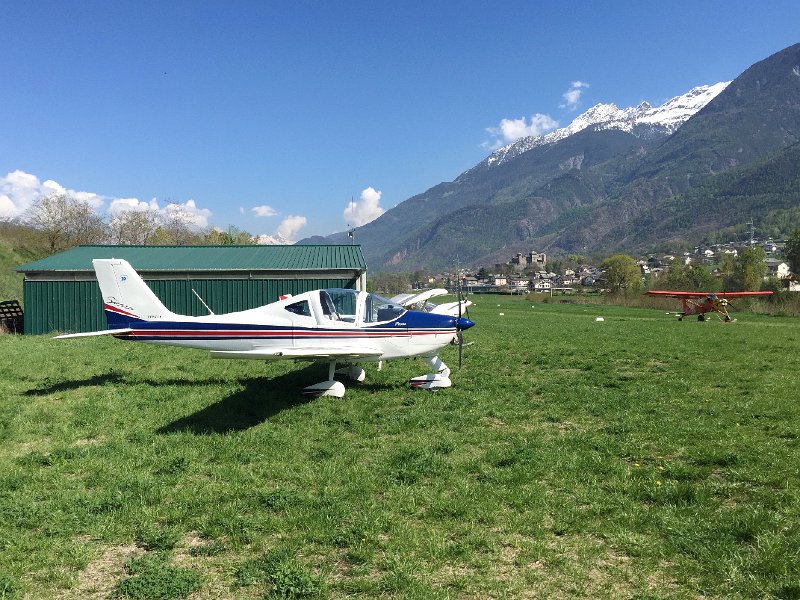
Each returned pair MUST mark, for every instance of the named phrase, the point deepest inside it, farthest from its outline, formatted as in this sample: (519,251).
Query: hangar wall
(77,305)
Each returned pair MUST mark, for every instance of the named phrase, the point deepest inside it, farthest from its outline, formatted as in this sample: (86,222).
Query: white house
(777,268)
(498,280)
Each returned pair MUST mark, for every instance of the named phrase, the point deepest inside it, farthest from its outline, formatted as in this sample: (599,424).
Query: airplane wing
(450,308)
(408,300)
(400,298)
(64,336)
(674,294)
(427,295)
(741,294)
(340,353)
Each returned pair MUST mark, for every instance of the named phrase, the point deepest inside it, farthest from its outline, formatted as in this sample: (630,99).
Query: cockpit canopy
(350,306)
(378,309)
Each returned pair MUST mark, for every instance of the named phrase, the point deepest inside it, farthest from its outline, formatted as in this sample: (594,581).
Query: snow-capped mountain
(643,121)
(273,240)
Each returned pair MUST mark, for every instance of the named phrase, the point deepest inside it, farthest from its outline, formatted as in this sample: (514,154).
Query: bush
(8,588)
(153,579)
(282,575)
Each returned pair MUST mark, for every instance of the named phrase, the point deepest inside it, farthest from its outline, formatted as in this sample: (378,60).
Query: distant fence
(11,317)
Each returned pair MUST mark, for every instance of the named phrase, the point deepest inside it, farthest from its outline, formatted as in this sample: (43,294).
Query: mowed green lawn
(634,457)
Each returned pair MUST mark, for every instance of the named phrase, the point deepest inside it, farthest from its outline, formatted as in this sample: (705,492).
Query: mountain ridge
(642,120)
(590,190)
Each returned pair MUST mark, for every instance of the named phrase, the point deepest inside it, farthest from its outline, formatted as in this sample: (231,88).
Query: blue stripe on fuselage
(408,323)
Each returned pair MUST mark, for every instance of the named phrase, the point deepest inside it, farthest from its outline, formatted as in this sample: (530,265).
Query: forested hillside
(18,245)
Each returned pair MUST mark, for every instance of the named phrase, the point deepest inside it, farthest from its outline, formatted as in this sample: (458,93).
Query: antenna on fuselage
(211,312)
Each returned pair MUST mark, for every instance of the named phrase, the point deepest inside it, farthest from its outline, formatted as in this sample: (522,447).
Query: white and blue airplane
(337,326)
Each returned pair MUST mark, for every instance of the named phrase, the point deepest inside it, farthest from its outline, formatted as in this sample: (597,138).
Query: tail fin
(126,297)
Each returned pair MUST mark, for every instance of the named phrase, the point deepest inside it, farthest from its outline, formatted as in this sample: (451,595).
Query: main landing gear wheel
(326,388)
(353,373)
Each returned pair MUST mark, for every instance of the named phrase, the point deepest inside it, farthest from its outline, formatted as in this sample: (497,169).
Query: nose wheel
(433,381)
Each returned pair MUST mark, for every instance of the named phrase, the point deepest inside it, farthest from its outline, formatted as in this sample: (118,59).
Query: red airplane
(711,302)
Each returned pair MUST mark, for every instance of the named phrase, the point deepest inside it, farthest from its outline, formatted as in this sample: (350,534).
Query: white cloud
(286,231)
(121,205)
(264,211)
(7,207)
(573,95)
(290,226)
(18,190)
(510,130)
(188,212)
(367,208)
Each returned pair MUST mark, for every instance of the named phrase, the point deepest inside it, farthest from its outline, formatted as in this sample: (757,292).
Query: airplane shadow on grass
(75,384)
(259,399)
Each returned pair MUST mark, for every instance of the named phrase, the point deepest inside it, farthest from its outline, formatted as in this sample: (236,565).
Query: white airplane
(420,302)
(337,326)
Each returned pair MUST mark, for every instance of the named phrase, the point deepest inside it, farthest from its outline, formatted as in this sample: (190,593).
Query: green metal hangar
(61,291)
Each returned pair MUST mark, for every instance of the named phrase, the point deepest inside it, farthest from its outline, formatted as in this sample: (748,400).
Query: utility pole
(752,232)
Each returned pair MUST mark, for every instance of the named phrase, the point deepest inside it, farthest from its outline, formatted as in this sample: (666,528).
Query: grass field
(634,457)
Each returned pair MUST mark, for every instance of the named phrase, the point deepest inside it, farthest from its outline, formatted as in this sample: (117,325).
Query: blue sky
(271,115)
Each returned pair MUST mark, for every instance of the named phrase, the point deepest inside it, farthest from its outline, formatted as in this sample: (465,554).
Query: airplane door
(303,323)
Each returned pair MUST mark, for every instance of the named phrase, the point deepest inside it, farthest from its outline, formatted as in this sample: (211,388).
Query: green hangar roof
(207,258)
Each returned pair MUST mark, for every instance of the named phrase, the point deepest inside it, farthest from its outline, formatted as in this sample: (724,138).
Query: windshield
(339,304)
(379,309)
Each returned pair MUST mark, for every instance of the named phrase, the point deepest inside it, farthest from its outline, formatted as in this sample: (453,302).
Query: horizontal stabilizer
(93,333)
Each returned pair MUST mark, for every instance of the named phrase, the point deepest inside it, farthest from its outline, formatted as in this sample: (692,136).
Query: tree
(620,272)
(750,270)
(389,283)
(134,227)
(176,229)
(557,267)
(232,237)
(674,277)
(694,278)
(792,251)
(574,260)
(727,265)
(701,279)
(66,221)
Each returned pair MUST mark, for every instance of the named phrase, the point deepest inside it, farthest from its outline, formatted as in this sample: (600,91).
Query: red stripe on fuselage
(280,333)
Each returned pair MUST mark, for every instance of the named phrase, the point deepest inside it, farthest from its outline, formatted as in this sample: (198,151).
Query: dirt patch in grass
(88,442)
(101,575)
(580,566)
(208,557)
